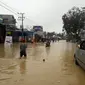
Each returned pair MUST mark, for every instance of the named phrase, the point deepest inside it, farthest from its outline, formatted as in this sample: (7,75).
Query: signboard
(9,33)
(8,40)
(37,28)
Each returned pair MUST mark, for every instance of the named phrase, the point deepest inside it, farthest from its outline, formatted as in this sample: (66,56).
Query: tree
(73,22)
(51,34)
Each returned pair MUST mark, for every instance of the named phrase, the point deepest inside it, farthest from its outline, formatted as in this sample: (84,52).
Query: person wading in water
(23,47)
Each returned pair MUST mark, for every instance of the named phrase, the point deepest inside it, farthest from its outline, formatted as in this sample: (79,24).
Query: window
(82,45)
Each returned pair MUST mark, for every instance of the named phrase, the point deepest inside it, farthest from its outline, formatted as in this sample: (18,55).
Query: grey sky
(47,13)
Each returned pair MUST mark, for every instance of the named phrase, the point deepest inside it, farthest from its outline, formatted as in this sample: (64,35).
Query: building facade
(38,33)
(7,24)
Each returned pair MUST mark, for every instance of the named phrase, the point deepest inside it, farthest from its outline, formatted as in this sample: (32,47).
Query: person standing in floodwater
(23,47)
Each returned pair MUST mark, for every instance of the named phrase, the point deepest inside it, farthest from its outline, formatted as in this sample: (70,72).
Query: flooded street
(58,69)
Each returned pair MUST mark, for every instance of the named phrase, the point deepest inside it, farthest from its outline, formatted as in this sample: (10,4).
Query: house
(7,23)
(38,32)
(18,34)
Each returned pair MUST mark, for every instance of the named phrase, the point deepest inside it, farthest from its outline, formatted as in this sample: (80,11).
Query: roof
(7,19)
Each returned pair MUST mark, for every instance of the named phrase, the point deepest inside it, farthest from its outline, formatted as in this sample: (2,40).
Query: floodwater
(57,69)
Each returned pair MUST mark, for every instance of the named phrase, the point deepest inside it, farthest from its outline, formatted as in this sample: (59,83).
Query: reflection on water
(2,52)
(22,66)
(8,51)
(37,53)
(59,70)
(47,50)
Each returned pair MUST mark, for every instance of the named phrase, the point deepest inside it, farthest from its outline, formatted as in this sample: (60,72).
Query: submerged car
(79,55)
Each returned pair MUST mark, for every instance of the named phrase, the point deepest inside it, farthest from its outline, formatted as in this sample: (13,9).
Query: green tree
(73,22)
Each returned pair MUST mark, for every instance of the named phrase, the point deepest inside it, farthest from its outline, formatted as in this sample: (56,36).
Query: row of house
(8,24)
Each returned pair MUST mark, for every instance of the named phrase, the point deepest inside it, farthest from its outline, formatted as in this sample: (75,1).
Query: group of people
(23,47)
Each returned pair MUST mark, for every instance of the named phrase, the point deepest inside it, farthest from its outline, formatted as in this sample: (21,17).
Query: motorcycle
(48,44)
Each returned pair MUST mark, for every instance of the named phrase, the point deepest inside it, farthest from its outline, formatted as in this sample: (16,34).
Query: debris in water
(43,60)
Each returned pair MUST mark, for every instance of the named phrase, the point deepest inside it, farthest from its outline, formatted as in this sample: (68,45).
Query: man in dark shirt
(23,47)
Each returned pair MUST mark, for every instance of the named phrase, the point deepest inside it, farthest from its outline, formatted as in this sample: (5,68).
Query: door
(82,52)
(2,33)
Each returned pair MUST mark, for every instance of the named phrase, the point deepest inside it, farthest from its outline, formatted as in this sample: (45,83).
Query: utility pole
(22,19)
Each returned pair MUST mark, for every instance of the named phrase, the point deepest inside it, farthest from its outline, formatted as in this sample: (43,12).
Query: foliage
(73,22)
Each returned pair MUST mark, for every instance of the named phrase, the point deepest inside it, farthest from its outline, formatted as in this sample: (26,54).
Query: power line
(12,10)
(8,9)
(8,6)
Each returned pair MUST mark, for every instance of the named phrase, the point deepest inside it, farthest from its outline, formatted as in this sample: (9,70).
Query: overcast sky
(47,13)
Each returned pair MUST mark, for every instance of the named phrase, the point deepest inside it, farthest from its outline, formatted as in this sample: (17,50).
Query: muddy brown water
(57,69)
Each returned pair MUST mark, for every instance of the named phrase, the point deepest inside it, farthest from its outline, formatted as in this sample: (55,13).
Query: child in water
(23,47)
